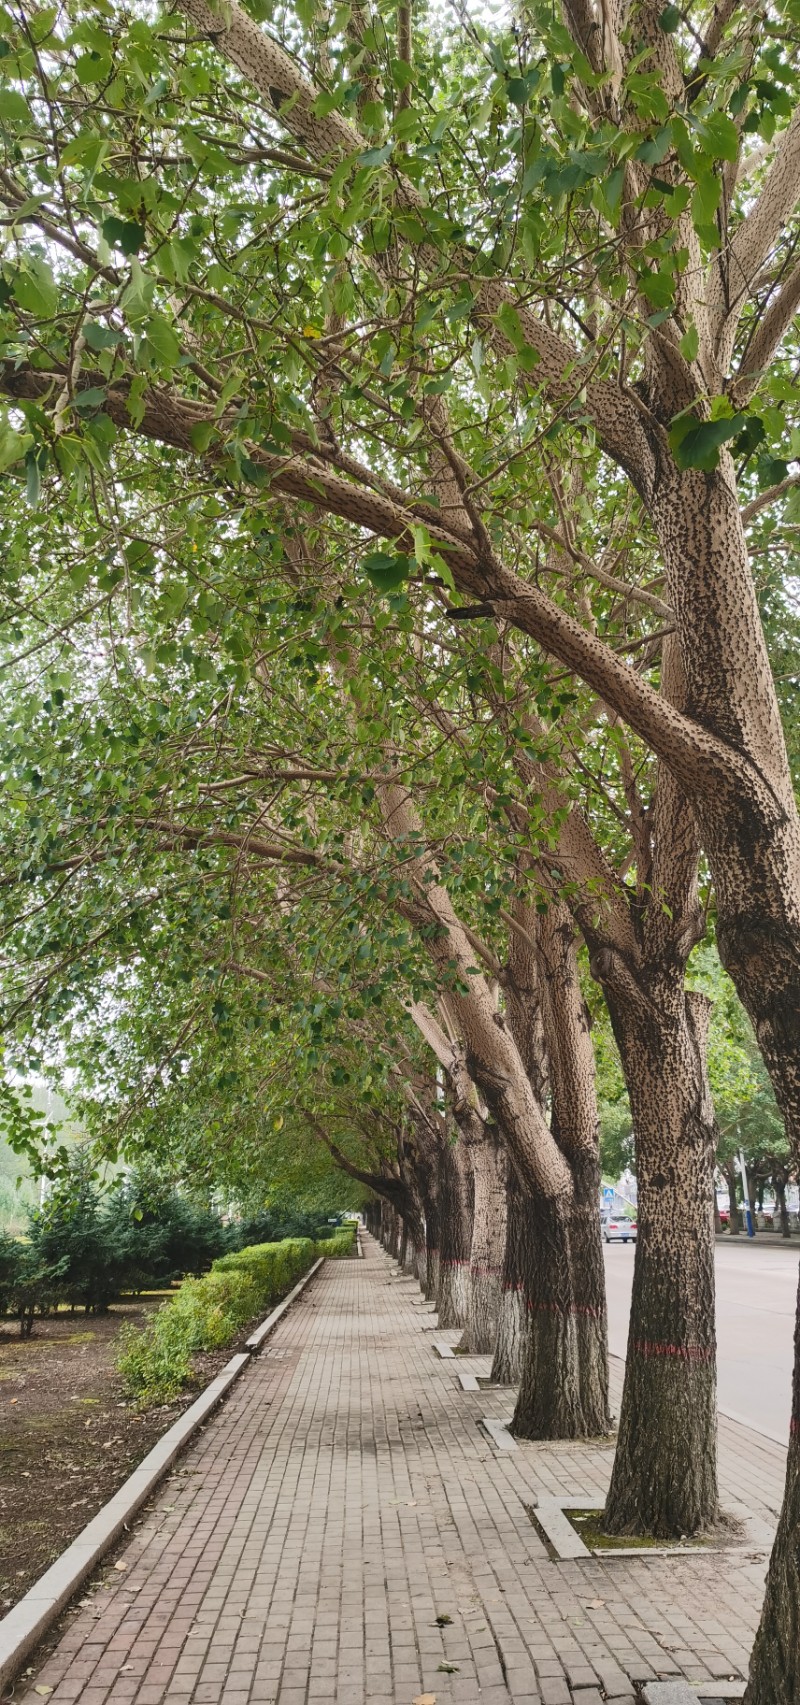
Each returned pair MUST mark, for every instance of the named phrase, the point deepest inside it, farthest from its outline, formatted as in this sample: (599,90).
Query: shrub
(29,1285)
(206,1314)
(341,1243)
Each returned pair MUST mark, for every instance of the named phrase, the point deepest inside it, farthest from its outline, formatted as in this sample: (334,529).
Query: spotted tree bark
(487,1161)
(513,1319)
(564,1370)
(455,1234)
(576,1126)
(775,1667)
(664,1480)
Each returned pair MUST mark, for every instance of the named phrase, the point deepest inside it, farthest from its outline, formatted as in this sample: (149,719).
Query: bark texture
(488,1165)
(455,1234)
(513,1321)
(775,1665)
(664,1480)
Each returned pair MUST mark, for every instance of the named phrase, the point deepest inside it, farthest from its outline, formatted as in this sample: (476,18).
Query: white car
(617,1228)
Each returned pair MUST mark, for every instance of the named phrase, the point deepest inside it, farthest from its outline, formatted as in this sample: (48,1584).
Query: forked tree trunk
(488,1164)
(513,1322)
(455,1234)
(664,1480)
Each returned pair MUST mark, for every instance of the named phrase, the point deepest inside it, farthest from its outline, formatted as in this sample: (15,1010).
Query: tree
(671,349)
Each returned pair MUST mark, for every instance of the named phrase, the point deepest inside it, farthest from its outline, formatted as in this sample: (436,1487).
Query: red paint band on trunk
(683,1352)
(447,1263)
(512,1289)
(556,1308)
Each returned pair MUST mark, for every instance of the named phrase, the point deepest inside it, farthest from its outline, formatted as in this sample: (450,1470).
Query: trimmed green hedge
(206,1314)
(340,1243)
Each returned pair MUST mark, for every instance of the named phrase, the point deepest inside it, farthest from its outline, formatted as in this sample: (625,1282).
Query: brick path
(342,1498)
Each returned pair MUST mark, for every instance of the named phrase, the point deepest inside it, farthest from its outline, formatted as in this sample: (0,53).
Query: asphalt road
(756,1294)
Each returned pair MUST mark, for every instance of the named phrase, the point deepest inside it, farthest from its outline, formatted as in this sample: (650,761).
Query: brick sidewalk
(342,1498)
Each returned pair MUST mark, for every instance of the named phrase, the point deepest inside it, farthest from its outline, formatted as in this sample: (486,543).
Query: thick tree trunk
(750,831)
(488,1164)
(455,1234)
(549,1403)
(513,1322)
(775,1664)
(664,1480)
(576,1127)
(589,1281)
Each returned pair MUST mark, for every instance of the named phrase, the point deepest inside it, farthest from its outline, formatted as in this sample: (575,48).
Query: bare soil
(68,1437)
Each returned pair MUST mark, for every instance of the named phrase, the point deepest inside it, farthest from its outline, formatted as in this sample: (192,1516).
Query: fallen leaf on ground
(424,1699)
(120,1565)
(43,1690)
(447,1669)
(442,1619)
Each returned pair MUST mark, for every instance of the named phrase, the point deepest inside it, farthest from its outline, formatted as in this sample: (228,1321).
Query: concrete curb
(30,1619)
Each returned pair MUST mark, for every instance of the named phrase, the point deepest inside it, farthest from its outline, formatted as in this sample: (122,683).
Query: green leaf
(612,189)
(387,573)
(13,107)
(33,484)
(124,234)
(658,288)
(690,343)
(100,337)
(697,443)
(13,446)
(669,20)
(720,136)
(35,289)
(705,201)
(201,435)
(376,156)
(90,399)
(162,340)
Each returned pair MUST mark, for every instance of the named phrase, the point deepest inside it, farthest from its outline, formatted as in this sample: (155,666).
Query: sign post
(748,1218)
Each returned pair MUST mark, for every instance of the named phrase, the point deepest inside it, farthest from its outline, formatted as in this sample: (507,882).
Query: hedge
(206,1314)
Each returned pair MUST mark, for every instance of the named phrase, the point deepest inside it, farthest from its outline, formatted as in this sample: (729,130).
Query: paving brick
(343,1496)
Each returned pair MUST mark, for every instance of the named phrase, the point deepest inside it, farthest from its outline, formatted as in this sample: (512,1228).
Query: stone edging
(30,1619)
(551,1517)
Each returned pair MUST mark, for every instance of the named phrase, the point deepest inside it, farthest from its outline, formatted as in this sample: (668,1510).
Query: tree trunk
(664,1480)
(488,1164)
(455,1234)
(775,1664)
(734,1220)
(780,1192)
(549,1404)
(576,1127)
(513,1323)
(589,1280)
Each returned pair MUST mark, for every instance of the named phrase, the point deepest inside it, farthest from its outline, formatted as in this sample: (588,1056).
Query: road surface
(756,1294)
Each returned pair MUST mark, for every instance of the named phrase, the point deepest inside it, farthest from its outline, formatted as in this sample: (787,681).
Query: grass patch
(588,1525)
